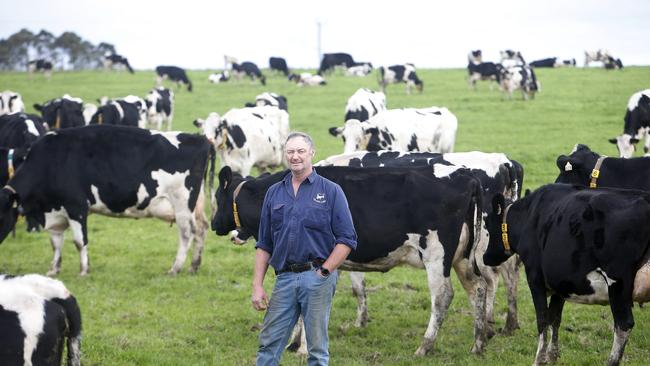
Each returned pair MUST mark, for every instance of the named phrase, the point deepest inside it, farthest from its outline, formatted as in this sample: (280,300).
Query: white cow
(307,79)
(11,102)
(365,103)
(601,55)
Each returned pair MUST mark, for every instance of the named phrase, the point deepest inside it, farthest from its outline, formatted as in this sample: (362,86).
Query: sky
(431,34)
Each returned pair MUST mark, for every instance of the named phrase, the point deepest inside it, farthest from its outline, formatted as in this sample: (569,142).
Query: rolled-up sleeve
(342,225)
(264,237)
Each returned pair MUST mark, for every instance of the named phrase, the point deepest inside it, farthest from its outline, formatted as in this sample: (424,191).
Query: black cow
(173,73)
(580,245)
(330,60)
(400,74)
(111,170)
(484,71)
(279,64)
(249,69)
(20,129)
(37,315)
(64,112)
(428,217)
(128,111)
(111,59)
(578,168)
(637,123)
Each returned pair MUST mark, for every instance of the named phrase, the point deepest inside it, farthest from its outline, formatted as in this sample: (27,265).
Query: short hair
(304,136)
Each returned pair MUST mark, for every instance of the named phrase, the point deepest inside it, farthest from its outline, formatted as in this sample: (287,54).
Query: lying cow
(173,73)
(580,245)
(270,99)
(279,64)
(637,125)
(484,71)
(37,315)
(221,77)
(160,108)
(431,221)
(552,62)
(400,74)
(112,59)
(248,137)
(308,79)
(249,69)
(519,77)
(332,60)
(64,112)
(115,171)
(427,129)
(363,104)
(127,111)
(11,102)
(359,69)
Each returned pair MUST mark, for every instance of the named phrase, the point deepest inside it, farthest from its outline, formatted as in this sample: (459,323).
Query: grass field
(134,314)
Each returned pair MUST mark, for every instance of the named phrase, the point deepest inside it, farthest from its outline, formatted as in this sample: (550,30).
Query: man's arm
(258,298)
(338,255)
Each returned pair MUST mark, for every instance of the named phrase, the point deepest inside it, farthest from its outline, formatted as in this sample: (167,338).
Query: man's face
(299,155)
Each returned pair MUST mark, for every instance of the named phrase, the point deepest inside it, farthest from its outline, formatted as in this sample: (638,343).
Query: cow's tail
(210,179)
(477,229)
(73,318)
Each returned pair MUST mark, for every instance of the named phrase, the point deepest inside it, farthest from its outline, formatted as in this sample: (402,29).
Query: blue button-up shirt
(307,226)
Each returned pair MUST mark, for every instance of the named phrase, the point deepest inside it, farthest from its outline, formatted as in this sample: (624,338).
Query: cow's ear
(225,177)
(38,107)
(613,141)
(566,164)
(336,131)
(527,192)
(634,140)
(371,130)
(198,122)
(498,204)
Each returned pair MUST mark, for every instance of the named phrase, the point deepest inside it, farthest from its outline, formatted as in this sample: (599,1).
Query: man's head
(299,152)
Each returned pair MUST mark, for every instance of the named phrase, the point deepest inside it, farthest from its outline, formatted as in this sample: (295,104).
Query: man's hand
(259,299)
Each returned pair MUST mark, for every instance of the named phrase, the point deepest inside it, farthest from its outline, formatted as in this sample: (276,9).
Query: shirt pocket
(318,218)
(277,216)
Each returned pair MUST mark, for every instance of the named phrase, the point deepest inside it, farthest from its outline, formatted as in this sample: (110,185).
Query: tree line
(68,51)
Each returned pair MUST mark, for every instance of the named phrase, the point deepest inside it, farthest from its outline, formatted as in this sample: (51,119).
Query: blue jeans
(307,294)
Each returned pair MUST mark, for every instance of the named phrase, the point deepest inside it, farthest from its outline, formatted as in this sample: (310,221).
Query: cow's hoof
(83,274)
(293,347)
(477,349)
(172,272)
(193,270)
(420,351)
(52,273)
(509,330)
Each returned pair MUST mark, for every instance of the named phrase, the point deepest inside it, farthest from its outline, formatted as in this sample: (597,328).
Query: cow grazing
(359,69)
(613,63)
(308,79)
(173,73)
(279,64)
(512,58)
(37,315)
(475,57)
(64,112)
(426,217)
(332,60)
(112,59)
(160,108)
(249,69)
(484,71)
(115,171)
(11,102)
(428,129)
(552,62)
(248,137)
(40,65)
(519,77)
(128,111)
(221,77)
(270,99)
(400,74)
(600,55)
(363,104)
(637,124)
(579,245)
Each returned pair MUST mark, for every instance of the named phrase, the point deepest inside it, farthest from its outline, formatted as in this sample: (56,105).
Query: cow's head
(223,221)
(577,167)
(496,253)
(625,144)
(209,126)
(356,135)
(62,112)
(8,212)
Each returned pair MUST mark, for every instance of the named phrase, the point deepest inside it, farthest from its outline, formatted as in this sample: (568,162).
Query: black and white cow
(37,315)
(400,74)
(64,112)
(637,125)
(115,171)
(160,108)
(11,102)
(112,59)
(359,69)
(363,104)
(511,58)
(497,174)
(20,129)
(519,77)
(552,62)
(331,60)
(427,129)
(221,77)
(600,55)
(248,137)
(40,65)
(249,69)
(308,79)
(128,111)
(484,71)
(173,73)
(271,99)
(279,64)
(426,217)
(578,168)
(475,57)
(579,245)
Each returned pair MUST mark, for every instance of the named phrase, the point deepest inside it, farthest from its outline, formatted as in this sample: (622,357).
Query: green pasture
(135,314)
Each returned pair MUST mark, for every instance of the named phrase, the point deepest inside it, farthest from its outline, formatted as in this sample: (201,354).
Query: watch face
(324,271)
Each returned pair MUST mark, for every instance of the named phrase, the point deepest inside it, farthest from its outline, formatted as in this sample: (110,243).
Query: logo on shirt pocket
(320,198)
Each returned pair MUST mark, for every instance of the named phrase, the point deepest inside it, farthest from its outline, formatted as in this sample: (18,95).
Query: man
(306,232)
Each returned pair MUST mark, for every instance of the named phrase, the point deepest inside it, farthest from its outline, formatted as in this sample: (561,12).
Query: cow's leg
(56,239)
(554,318)
(646,146)
(510,272)
(359,291)
(200,227)
(80,238)
(620,300)
(468,279)
(159,80)
(538,292)
(184,220)
(169,123)
(298,338)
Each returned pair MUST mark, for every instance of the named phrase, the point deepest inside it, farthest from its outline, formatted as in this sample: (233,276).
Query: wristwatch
(324,271)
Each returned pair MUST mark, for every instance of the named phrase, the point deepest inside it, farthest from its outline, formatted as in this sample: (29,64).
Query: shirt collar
(311,178)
